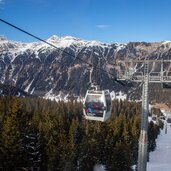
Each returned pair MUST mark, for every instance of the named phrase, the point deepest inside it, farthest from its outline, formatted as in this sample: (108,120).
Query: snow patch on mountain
(28,87)
(166,42)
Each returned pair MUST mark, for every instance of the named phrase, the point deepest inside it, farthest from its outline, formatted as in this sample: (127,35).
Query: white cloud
(102,26)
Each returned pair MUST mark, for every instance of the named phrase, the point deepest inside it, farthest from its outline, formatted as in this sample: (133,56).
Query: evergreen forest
(38,134)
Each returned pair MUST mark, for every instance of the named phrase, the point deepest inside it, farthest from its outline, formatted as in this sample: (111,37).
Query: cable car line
(40,39)
(97,104)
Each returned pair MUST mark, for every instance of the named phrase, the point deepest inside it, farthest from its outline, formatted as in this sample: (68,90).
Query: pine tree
(10,138)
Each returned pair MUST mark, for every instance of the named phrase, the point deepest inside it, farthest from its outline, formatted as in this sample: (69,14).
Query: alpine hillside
(43,70)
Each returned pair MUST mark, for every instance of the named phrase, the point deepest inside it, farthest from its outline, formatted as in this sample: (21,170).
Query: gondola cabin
(97,105)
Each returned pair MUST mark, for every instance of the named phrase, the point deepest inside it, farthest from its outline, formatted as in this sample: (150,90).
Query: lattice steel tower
(145,77)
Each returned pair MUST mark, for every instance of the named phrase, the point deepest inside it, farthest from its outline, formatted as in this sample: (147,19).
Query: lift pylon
(134,74)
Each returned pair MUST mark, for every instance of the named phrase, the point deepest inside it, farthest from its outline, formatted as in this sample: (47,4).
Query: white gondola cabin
(97,105)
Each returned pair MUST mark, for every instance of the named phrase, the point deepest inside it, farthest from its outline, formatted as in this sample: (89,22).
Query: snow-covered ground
(160,159)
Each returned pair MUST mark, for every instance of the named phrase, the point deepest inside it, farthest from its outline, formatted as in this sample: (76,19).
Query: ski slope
(160,159)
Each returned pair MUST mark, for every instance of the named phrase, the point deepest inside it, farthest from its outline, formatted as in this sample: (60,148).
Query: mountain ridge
(43,70)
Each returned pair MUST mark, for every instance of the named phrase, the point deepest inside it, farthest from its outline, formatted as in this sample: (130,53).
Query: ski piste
(160,159)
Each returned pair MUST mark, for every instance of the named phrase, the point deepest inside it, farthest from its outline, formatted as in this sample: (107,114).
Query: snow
(16,48)
(28,87)
(60,97)
(96,53)
(120,47)
(95,43)
(32,90)
(67,41)
(49,94)
(160,159)
(99,167)
(167,41)
(118,95)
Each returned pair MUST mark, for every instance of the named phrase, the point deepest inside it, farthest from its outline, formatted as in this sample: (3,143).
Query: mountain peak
(65,41)
(53,38)
(70,38)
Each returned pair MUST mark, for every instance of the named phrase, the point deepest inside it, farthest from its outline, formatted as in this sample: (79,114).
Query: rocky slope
(42,70)
(8,90)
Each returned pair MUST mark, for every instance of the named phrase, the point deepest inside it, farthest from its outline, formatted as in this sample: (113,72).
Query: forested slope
(38,134)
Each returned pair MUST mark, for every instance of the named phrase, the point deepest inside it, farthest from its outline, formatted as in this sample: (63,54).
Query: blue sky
(103,20)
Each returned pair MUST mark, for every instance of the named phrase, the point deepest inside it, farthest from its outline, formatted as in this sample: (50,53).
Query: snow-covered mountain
(43,70)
